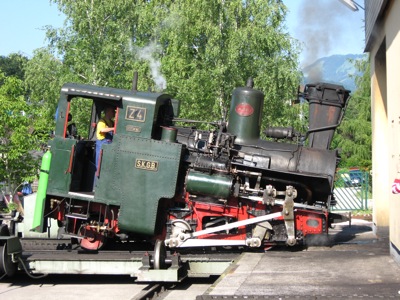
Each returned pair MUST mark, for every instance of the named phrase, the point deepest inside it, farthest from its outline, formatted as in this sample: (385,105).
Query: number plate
(134,113)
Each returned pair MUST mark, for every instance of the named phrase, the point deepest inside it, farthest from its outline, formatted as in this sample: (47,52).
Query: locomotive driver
(104,133)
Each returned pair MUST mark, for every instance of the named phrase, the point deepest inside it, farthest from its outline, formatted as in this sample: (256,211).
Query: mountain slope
(333,69)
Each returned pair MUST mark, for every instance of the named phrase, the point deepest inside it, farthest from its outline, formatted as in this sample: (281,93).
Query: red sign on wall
(244,109)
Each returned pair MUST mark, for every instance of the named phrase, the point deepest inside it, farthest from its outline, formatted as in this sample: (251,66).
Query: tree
(354,136)
(17,163)
(214,46)
(94,43)
(44,76)
(13,65)
(198,51)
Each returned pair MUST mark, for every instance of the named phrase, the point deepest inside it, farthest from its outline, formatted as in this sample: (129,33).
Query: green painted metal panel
(136,117)
(62,109)
(136,174)
(140,113)
(59,177)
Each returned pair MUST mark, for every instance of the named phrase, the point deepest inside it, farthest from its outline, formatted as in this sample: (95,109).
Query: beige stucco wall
(392,29)
(380,159)
(385,88)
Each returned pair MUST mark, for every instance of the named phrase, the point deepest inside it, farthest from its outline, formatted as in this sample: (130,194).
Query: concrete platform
(357,264)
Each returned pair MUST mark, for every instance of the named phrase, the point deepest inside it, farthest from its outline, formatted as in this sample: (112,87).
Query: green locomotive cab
(138,171)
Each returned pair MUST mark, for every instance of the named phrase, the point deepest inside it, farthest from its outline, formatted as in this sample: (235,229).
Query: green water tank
(245,113)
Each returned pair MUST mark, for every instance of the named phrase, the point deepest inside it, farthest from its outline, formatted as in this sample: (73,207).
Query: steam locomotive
(182,188)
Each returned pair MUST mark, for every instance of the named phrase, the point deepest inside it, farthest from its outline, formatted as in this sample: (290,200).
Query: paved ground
(69,287)
(357,265)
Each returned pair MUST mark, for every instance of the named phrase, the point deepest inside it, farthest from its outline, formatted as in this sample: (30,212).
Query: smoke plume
(149,53)
(322,25)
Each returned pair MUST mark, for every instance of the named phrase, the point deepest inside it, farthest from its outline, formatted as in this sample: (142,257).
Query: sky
(22,25)
(323,27)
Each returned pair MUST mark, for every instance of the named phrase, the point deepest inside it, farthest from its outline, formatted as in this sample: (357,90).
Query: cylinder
(280,132)
(168,134)
(245,114)
(41,193)
(214,185)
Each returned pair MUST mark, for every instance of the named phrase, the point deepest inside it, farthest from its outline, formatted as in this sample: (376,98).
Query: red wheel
(92,239)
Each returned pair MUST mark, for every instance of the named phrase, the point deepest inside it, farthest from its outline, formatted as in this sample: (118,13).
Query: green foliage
(212,47)
(16,140)
(354,136)
(10,207)
(95,41)
(44,76)
(13,65)
(81,110)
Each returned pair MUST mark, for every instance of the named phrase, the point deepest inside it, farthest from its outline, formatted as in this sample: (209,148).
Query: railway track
(189,289)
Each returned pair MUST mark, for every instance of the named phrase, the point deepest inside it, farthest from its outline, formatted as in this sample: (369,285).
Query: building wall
(383,44)
(380,160)
(392,30)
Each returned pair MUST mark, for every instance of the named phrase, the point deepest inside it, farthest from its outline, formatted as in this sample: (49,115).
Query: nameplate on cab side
(132,128)
(147,165)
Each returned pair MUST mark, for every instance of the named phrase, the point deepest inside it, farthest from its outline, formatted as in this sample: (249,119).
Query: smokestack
(327,103)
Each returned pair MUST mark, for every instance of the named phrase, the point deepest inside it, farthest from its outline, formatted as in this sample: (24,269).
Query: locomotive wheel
(160,255)
(7,267)
(92,240)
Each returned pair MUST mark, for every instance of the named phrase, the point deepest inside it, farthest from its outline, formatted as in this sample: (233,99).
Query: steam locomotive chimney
(327,103)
